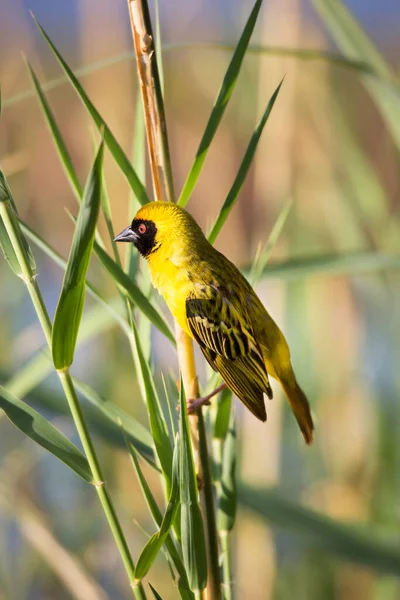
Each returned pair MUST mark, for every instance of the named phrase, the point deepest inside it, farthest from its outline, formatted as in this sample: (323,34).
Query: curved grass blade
(319,531)
(155,593)
(38,429)
(182,583)
(70,305)
(355,44)
(227,499)
(304,54)
(64,156)
(58,260)
(109,139)
(153,546)
(260,263)
(344,264)
(6,246)
(158,426)
(139,435)
(243,170)
(224,94)
(192,528)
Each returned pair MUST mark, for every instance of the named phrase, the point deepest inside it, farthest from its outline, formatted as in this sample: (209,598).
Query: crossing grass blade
(155,593)
(153,546)
(260,263)
(6,246)
(183,585)
(158,426)
(354,263)
(243,169)
(355,44)
(227,499)
(108,305)
(118,154)
(41,431)
(318,531)
(40,366)
(65,158)
(302,54)
(220,105)
(138,434)
(192,529)
(70,305)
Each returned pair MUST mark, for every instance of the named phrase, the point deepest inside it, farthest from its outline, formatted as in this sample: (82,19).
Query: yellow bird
(216,306)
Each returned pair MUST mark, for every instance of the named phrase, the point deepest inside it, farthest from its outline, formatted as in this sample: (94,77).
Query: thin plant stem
(13,230)
(226,565)
(161,170)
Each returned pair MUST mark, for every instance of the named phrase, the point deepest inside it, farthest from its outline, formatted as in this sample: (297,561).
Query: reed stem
(160,165)
(29,277)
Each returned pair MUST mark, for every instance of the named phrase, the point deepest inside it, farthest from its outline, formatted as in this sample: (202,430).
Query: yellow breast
(173,284)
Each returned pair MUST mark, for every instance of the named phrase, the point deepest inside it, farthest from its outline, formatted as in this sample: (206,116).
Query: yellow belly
(174,285)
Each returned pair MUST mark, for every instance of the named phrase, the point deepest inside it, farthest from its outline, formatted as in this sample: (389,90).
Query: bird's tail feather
(299,405)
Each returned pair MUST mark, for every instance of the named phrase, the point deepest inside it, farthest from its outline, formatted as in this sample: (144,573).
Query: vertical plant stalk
(160,163)
(150,87)
(12,226)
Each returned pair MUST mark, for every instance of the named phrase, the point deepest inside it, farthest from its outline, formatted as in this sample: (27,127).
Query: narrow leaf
(156,418)
(65,158)
(6,243)
(183,584)
(243,169)
(70,305)
(155,593)
(153,546)
(38,429)
(109,139)
(260,264)
(349,543)
(222,416)
(138,434)
(220,105)
(94,292)
(355,44)
(354,263)
(227,499)
(192,528)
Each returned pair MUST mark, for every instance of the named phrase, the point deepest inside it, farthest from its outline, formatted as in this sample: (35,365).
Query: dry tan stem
(152,103)
(157,140)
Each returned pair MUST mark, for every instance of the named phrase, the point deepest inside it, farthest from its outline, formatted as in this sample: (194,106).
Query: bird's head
(161,225)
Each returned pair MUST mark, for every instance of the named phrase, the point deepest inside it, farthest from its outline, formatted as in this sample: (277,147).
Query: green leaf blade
(192,528)
(70,305)
(243,170)
(227,500)
(153,546)
(220,105)
(56,135)
(109,139)
(349,543)
(355,44)
(41,431)
(158,426)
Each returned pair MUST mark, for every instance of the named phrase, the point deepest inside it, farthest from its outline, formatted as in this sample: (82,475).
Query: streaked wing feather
(228,344)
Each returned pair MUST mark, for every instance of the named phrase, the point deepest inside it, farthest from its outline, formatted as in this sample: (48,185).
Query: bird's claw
(194,404)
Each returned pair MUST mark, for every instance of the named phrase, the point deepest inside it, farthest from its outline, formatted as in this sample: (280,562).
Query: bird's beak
(127,235)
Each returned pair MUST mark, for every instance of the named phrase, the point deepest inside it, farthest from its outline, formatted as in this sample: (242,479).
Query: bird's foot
(194,404)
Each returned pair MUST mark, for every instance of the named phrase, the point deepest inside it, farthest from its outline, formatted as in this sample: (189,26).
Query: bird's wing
(227,341)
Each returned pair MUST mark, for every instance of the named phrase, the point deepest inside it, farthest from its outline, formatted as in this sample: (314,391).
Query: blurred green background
(326,147)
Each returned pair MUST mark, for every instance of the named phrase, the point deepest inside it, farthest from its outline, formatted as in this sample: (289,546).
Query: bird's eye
(142,228)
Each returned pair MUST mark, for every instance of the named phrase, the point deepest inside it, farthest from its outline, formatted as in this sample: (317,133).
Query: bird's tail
(299,404)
